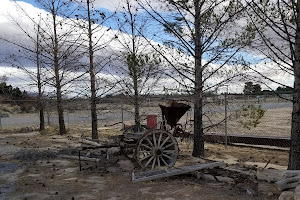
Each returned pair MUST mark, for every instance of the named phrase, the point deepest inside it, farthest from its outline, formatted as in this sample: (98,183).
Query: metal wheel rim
(156,149)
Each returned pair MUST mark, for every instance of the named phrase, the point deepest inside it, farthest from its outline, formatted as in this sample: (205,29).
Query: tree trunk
(93,80)
(294,157)
(198,150)
(61,121)
(41,105)
(135,75)
(136,104)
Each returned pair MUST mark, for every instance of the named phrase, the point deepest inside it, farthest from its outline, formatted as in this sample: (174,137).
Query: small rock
(208,177)
(270,194)
(225,179)
(296,196)
(198,174)
(249,191)
(297,189)
(286,195)
(112,169)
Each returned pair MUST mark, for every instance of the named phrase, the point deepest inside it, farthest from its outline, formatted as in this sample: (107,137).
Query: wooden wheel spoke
(169,151)
(146,157)
(143,145)
(159,139)
(168,145)
(145,151)
(149,142)
(163,160)
(154,140)
(165,141)
(149,161)
(158,161)
(153,163)
(167,156)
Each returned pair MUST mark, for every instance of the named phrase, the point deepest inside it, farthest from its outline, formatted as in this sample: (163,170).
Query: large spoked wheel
(156,149)
(128,144)
(127,148)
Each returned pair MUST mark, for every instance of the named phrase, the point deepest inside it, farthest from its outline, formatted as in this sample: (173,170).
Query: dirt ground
(32,167)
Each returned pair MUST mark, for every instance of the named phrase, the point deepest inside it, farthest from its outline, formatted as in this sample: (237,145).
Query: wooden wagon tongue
(173,111)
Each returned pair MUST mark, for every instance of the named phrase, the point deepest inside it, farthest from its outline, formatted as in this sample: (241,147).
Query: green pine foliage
(8,90)
(249,116)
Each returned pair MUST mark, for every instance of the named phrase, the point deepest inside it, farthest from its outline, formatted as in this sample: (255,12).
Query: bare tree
(208,33)
(142,69)
(277,24)
(39,82)
(60,41)
(32,53)
(91,22)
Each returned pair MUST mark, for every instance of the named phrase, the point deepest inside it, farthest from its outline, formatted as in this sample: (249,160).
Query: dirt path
(36,174)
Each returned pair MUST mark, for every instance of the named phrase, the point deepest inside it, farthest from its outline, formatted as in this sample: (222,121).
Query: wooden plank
(88,142)
(157,174)
(81,158)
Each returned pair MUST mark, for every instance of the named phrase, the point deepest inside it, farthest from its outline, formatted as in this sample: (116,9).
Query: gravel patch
(6,186)
(34,155)
(68,151)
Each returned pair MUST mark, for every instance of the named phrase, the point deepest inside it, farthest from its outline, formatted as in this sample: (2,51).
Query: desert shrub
(52,130)
(249,116)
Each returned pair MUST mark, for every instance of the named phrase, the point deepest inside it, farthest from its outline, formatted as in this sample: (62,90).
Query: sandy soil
(31,169)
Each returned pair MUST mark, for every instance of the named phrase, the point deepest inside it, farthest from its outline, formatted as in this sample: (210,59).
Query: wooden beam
(157,174)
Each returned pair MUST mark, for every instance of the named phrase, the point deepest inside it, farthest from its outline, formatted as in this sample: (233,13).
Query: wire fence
(256,120)
(241,119)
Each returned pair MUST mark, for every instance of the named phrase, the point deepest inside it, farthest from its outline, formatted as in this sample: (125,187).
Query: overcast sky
(17,78)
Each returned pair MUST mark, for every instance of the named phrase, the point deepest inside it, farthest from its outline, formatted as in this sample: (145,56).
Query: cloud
(17,78)
(111,5)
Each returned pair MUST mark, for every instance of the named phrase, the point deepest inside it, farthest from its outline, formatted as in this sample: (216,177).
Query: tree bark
(41,105)
(294,157)
(198,150)
(93,99)
(61,121)
(136,104)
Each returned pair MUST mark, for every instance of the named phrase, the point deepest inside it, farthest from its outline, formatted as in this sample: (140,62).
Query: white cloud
(111,5)
(18,78)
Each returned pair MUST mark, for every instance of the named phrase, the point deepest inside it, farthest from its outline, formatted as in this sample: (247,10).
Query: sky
(19,78)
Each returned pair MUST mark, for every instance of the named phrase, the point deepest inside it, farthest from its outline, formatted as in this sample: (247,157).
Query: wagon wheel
(127,148)
(127,145)
(156,149)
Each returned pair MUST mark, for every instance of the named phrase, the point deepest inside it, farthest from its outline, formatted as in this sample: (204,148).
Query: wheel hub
(157,151)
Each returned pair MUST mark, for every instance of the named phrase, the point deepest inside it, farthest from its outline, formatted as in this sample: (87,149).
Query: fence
(241,116)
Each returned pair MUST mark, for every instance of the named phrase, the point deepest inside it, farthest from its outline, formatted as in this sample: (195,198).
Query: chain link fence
(257,120)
